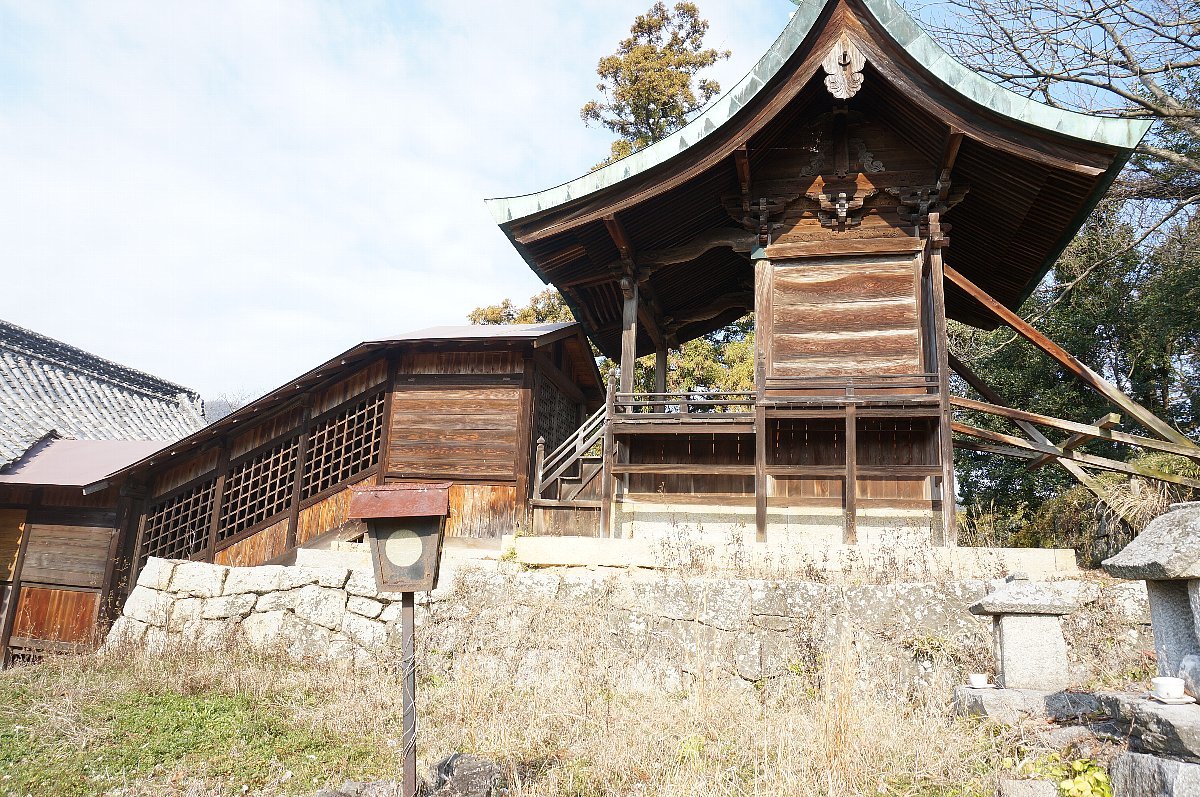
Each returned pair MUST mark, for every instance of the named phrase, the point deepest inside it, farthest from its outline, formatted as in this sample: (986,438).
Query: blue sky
(226,194)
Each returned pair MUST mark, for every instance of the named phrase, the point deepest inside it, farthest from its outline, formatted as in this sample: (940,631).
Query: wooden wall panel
(357,383)
(461,362)
(55,616)
(75,556)
(183,472)
(262,546)
(467,431)
(328,514)
(271,428)
(12,526)
(19,494)
(482,510)
(845,317)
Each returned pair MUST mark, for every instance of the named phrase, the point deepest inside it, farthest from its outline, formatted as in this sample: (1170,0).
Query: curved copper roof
(1035,171)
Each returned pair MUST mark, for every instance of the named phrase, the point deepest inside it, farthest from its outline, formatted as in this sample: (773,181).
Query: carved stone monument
(1031,652)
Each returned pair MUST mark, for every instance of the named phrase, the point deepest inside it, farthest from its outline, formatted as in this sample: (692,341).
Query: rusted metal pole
(409,694)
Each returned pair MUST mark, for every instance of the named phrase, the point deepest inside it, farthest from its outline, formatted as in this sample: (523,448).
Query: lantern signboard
(405,524)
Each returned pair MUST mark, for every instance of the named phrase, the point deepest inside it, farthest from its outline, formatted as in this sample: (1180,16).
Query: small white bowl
(1167,688)
(978,680)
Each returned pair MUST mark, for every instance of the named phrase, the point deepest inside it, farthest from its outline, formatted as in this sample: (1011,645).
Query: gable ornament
(843,69)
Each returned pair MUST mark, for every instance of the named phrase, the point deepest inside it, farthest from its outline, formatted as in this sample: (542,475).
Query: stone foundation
(529,626)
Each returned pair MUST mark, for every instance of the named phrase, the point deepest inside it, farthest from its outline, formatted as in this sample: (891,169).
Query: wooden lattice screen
(557,416)
(342,446)
(177,528)
(258,488)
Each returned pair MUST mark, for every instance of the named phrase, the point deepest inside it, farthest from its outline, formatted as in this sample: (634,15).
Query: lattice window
(178,527)
(258,488)
(343,445)
(557,416)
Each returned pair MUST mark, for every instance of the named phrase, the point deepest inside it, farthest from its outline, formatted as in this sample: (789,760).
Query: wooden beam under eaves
(1085,374)
(984,389)
(1076,440)
(620,238)
(1103,463)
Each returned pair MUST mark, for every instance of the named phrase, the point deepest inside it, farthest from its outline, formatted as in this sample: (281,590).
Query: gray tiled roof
(46,385)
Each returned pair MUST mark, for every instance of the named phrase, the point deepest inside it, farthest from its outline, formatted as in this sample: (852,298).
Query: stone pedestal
(1031,652)
(1166,555)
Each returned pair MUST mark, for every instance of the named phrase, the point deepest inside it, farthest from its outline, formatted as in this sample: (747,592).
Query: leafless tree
(225,403)
(1130,58)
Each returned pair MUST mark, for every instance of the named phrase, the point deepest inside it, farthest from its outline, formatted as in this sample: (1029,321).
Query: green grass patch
(143,737)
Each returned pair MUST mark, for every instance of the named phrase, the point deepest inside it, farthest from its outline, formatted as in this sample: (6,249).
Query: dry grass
(187,723)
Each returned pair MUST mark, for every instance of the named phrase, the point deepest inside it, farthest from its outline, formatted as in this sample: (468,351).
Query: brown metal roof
(74,463)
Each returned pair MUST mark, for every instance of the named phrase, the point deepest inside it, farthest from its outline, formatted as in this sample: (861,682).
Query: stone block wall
(638,630)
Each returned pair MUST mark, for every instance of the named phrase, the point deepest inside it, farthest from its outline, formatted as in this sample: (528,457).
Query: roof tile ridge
(36,345)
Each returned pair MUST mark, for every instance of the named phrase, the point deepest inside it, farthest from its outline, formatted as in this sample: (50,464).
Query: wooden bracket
(616,231)
(839,210)
(741,160)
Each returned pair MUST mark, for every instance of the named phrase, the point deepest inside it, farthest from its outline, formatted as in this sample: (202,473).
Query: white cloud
(225,194)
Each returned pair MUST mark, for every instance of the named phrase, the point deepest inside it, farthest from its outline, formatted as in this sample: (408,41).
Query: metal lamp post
(405,525)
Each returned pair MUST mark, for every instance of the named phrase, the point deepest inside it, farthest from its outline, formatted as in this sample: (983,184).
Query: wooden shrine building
(67,418)
(463,405)
(822,194)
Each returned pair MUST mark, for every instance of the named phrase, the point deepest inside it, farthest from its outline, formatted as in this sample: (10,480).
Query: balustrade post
(539,464)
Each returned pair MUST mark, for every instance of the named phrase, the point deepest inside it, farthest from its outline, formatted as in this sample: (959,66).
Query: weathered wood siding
(262,546)
(68,549)
(49,619)
(457,415)
(482,510)
(330,513)
(845,317)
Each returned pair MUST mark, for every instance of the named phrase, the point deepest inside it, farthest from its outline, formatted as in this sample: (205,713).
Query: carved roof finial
(843,66)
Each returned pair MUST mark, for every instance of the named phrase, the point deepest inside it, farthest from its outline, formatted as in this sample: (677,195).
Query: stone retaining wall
(648,631)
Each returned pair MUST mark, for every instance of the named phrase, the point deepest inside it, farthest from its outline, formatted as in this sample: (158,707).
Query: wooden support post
(762,352)
(606,462)
(1085,374)
(539,462)
(660,368)
(214,521)
(942,349)
(14,589)
(629,288)
(114,565)
(298,478)
(851,488)
(1035,434)
(761,479)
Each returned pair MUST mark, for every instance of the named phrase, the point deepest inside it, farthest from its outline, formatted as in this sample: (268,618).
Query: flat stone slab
(1010,706)
(1026,788)
(1156,728)
(1025,597)
(1141,775)
(1169,548)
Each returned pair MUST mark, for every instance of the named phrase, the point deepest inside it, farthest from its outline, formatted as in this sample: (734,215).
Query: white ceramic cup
(1167,688)
(977,680)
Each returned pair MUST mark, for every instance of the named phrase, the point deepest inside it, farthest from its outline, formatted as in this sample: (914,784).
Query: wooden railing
(695,404)
(845,388)
(550,469)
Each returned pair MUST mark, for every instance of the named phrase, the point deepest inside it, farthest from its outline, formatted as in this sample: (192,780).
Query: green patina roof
(1118,133)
